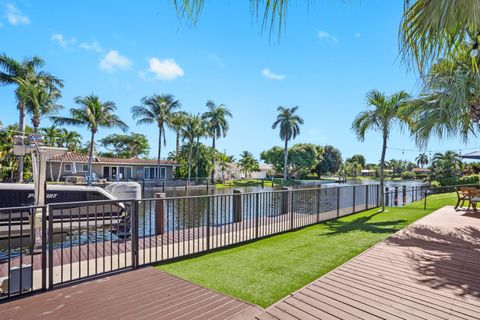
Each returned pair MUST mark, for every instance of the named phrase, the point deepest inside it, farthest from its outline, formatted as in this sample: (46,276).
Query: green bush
(469,179)
(408,175)
(435,184)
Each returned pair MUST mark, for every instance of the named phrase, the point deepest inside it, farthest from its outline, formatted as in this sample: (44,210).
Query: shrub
(408,175)
(435,184)
(469,179)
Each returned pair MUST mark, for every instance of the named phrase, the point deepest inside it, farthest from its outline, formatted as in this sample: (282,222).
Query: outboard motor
(124,191)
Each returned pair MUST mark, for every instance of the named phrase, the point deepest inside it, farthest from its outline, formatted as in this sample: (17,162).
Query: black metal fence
(43,247)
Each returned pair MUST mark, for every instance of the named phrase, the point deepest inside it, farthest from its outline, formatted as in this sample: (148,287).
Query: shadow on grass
(364,224)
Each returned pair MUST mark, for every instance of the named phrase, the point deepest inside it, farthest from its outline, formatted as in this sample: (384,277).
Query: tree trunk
(382,175)
(21,126)
(196,160)
(159,151)
(285,161)
(177,145)
(213,161)
(190,150)
(90,158)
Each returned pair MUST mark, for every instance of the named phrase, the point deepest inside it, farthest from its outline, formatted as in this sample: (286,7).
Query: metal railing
(87,239)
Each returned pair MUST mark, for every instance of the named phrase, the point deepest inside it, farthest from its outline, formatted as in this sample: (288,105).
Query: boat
(73,212)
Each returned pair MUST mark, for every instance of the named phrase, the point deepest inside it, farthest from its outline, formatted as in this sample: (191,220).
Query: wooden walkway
(430,270)
(145,293)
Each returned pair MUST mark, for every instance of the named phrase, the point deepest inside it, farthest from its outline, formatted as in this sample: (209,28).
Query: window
(82,167)
(67,168)
(152,173)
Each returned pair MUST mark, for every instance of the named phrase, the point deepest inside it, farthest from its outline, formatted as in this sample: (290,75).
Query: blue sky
(328,57)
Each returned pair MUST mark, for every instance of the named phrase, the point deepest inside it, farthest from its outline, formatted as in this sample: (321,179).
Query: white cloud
(356,35)
(267,73)
(91,46)
(323,35)
(16,17)
(60,39)
(113,61)
(166,69)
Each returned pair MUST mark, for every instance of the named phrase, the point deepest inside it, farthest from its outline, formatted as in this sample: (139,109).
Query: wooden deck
(430,270)
(145,293)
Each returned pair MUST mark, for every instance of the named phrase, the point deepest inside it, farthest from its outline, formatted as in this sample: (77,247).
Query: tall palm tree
(446,165)
(14,70)
(217,125)
(159,110)
(422,159)
(387,110)
(94,114)
(433,29)
(192,130)
(289,124)
(40,95)
(176,123)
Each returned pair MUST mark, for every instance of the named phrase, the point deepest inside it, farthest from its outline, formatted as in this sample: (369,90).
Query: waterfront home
(72,166)
(232,171)
(421,171)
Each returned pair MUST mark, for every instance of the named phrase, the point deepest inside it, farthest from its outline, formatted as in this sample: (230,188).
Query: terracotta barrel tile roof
(78,157)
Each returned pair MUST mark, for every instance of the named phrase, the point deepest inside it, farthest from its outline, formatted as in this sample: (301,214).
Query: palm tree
(387,110)
(40,95)
(94,114)
(289,124)
(248,163)
(176,123)
(446,165)
(217,125)
(449,104)
(159,110)
(14,70)
(433,29)
(422,160)
(192,130)
(71,140)
(51,137)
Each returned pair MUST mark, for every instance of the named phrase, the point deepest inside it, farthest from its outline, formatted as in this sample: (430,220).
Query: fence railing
(43,247)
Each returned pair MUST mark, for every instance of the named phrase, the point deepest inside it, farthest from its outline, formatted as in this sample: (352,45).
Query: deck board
(146,293)
(429,270)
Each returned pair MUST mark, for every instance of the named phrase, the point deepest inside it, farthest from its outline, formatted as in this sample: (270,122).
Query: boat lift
(33,144)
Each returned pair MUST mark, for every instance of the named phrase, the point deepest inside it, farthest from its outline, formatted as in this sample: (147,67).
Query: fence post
(378,195)
(338,201)
(257,205)
(134,214)
(386,196)
(237,205)
(291,208)
(366,196)
(395,197)
(160,211)
(413,194)
(208,223)
(44,248)
(50,247)
(425,203)
(353,200)
(285,195)
(404,194)
(318,204)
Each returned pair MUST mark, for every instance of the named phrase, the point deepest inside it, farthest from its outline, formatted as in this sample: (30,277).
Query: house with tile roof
(74,164)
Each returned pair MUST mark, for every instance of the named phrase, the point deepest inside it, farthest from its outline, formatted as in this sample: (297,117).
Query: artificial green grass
(267,270)
(244,183)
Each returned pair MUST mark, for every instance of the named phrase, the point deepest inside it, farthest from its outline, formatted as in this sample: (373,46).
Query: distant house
(233,171)
(368,172)
(421,171)
(74,164)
